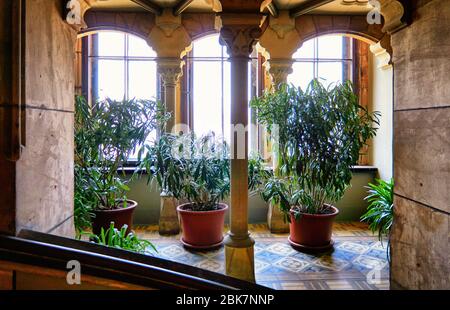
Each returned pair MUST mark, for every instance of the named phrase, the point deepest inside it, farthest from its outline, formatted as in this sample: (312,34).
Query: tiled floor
(359,260)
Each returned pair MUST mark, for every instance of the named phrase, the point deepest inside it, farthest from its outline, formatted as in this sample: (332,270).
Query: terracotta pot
(202,229)
(312,231)
(120,217)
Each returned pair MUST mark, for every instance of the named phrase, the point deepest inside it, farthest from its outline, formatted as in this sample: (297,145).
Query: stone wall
(7,167)
(420,236)
(44,173)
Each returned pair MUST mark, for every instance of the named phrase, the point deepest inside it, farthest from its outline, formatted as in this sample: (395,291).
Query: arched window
(119,66)
(126,67)
(210,76)
(328,58)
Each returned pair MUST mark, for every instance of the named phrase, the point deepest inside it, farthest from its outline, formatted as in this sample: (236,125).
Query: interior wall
(420,235)
(381,99)
(44,173)
(7,167)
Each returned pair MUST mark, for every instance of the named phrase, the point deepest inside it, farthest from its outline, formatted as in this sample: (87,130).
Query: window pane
(111,79)
(111,44)
(138,47)
(207,47)
(302,74)
(207,97)
(331,72)
(142,80)
(306,50)
(330,47)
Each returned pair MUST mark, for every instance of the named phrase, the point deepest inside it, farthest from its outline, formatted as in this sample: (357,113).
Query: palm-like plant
(321,132)
(196,170)
(380,212)
(105,136)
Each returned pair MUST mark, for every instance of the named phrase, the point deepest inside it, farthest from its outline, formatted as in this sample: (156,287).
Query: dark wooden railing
(49,251)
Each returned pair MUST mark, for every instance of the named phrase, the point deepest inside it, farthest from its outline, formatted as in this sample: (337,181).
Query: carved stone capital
(169,38)
(239,34)
(280,38)
(170,70)
(393,13)
(279,69)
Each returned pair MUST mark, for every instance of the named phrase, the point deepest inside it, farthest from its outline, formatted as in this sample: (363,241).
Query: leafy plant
(380,212)
(116,238)
(105,136)
(321,131)
(194,169)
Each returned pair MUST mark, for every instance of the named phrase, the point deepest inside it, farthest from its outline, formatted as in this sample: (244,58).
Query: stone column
(239,35)
(280,41)
(170,71)
(170,40)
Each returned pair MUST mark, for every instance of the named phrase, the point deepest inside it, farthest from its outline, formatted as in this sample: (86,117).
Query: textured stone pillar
(170,40)
(170,71)
(168,218)
(280,41)
(279,69)
(239,35)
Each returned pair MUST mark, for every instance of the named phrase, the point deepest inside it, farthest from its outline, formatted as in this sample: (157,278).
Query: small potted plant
(106,134)
(321,134)
(196,171)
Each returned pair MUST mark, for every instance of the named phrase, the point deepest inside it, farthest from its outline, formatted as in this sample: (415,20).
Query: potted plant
(105,136)
(196,171)
(380,211)
(321,131)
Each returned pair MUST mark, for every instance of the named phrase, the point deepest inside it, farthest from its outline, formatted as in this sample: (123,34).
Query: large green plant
(105,136)
(380,212)
(321,131)
(196,170)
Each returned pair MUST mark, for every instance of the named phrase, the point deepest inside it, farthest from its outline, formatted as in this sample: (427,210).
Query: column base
(239,258)
(275,220)
(168,217)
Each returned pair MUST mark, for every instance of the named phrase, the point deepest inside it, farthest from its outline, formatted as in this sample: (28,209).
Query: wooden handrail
(54,252)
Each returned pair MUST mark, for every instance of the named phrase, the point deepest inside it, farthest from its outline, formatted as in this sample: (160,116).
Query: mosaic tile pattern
(358,261)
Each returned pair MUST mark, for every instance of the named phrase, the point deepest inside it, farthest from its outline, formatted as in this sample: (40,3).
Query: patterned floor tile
(211,265)
(279,248)
(356,255)
(291,264)
(331,263)
(370,262)
(353,247)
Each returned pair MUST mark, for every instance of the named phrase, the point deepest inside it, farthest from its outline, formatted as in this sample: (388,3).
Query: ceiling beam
(307,7)
(270,6)
(181,6)
(149,6)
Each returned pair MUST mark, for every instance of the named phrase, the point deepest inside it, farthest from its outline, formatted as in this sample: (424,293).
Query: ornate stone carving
(279,69)
(170,70)
(239,33)
(280,39)
(239,39)
(169,38)
(393,13)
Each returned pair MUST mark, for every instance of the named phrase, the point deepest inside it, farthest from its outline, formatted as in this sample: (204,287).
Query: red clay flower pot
(119,216)
(202,229)
(312,232)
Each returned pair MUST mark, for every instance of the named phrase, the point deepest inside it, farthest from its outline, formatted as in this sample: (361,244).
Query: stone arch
(311,26)
(138,24)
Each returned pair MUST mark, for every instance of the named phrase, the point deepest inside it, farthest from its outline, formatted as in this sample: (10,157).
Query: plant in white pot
(322,131)
(106,134)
